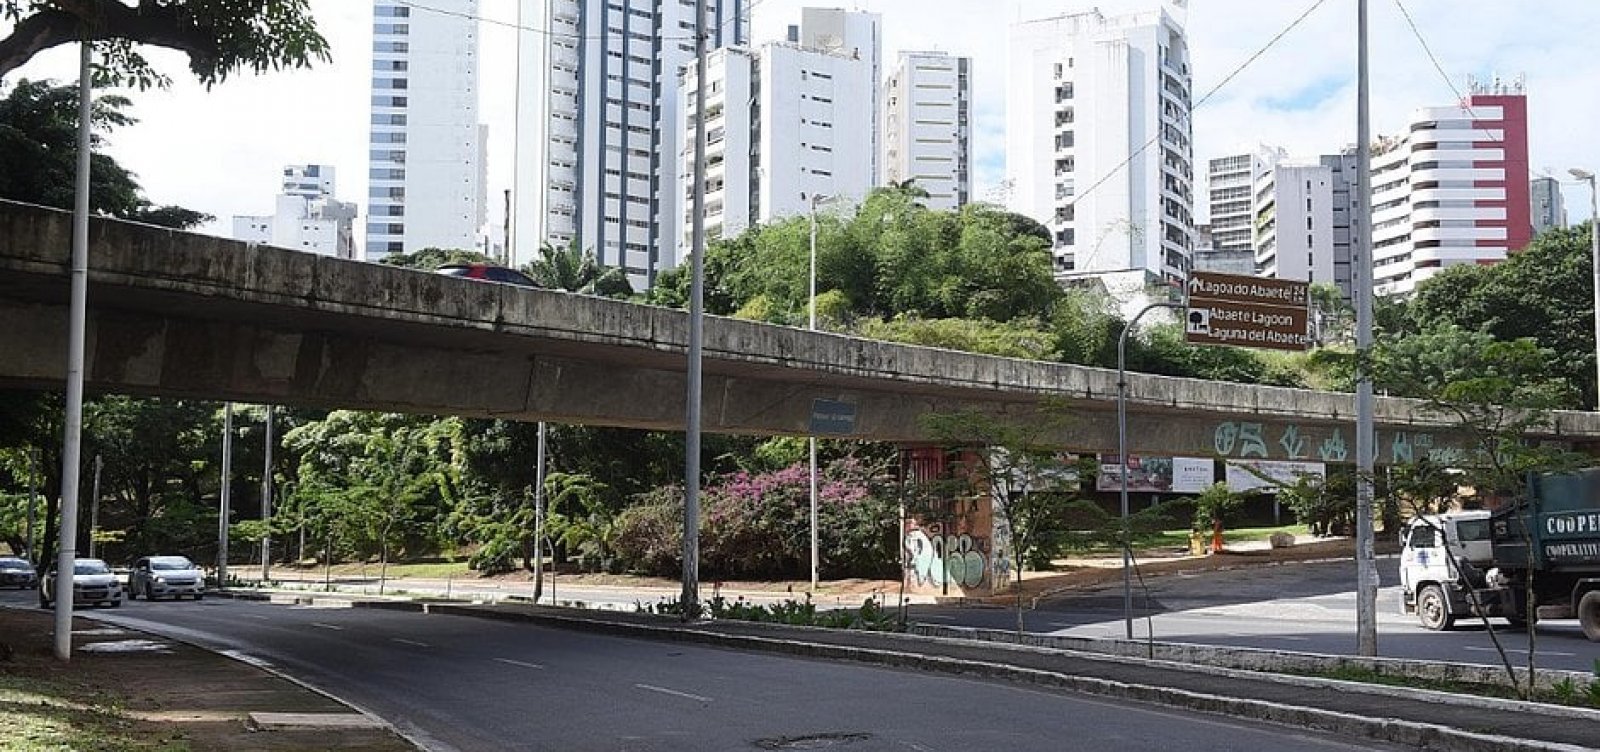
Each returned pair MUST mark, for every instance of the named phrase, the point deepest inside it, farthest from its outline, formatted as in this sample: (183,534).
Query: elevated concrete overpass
(182,315)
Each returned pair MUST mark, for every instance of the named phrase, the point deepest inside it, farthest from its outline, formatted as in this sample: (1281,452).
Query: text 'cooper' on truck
(1489,563)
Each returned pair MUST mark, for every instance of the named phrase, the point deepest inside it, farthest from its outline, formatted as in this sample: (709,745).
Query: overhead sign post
(1233,309)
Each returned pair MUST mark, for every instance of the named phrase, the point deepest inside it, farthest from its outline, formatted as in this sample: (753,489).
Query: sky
(222,151)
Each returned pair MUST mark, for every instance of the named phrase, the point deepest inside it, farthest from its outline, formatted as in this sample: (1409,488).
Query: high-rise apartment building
(1098,141)
(1292,218)
(786,125)
(598,124)
(927,127)
(1549,209)
(1453,189)
(1342,196)
(427,162)
(1278,210)
(307,217)
(1230,192)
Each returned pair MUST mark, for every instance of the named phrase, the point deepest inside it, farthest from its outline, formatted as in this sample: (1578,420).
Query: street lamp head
(1581,174)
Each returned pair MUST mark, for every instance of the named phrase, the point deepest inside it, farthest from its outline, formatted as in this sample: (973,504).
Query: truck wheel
(1589,615)
(1433,612)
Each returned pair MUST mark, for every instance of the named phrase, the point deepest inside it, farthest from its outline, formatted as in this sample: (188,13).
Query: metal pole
(1361,250)
(225,496)
(1594,264)
(1122,458)
(77,323)
(94,504)
(690,599)
(35,493)
(538,519)
(1594,260)
(812,440)
(266,502)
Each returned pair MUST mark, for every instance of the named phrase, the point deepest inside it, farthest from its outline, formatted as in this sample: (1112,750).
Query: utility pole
(266,502)
(77,323)
(225,496)
(689,600)
(538,520)
(94,504)
(1366,565)
(812,440)
(1122,457)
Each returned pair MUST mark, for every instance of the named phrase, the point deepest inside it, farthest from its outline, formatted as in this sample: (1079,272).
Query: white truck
(1545,549)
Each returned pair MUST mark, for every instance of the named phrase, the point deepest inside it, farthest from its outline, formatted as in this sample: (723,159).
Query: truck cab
(1442,556)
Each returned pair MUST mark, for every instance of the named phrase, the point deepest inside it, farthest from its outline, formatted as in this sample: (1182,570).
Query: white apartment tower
(307,217)
(1230,192)
(598,123)
(927,127)
(1098,141)
(785,125)
(1453,189)
(1278,210)
(1293,222)
(426,180)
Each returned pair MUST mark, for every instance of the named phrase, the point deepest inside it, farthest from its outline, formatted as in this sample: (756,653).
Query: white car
(166,577)
(92,582)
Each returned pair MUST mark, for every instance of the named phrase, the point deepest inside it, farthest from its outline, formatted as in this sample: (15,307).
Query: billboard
(1157,474)
(1247,475)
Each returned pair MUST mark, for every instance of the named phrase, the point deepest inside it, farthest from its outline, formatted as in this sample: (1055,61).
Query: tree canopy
(38,155)
(220,37)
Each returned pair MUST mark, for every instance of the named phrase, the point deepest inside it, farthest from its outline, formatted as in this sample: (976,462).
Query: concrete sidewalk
(1424,719)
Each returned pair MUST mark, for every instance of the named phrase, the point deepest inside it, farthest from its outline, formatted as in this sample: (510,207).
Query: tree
(1017,466)
(1544,292)
(1496,392)
(429,259)
(221,37)
(574,270)
(38,155)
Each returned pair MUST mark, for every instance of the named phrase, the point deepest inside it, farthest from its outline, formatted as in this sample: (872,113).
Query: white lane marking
(409,642)
(259,616)
(519,663)
(1520,650)
(326,626)
(673,692)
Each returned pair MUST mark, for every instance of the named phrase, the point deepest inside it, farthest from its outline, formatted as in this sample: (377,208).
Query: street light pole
(266,503)
(689,600)
(1122,457)
(1366,439)
(94,504)
(815,199)
(1594,263)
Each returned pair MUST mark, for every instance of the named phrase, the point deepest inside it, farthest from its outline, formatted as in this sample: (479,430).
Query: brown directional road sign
(1232,309)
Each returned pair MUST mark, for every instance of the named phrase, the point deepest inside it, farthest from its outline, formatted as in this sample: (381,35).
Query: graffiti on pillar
(935,558)
(1401,451)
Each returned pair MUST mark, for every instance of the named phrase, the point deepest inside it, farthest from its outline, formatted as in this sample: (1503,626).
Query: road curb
(1256,659)
(1395,730)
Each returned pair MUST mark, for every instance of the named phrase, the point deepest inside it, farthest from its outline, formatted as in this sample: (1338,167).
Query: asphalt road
(1308,608)
(460,683)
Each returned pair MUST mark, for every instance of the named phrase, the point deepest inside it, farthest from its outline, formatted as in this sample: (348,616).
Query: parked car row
(94,582)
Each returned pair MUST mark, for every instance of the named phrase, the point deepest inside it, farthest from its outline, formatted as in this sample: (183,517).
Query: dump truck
(1481,562)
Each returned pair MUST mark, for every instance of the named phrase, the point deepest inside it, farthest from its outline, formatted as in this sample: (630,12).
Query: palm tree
(577,271)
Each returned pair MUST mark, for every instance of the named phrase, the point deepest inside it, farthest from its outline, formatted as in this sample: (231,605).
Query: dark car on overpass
(487,273)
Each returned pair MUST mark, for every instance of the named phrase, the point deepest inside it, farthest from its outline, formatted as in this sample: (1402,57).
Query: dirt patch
(171,697)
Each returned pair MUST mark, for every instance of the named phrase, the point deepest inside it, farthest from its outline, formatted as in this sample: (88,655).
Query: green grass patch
(1567,692)
(41,715)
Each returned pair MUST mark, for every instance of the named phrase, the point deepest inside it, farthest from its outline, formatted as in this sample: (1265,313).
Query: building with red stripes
(1453,189)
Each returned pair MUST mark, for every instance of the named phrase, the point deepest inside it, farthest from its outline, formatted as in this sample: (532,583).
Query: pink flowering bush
(757,525)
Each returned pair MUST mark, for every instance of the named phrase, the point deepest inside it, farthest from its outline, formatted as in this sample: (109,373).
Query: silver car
(166,577)
(92,582)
